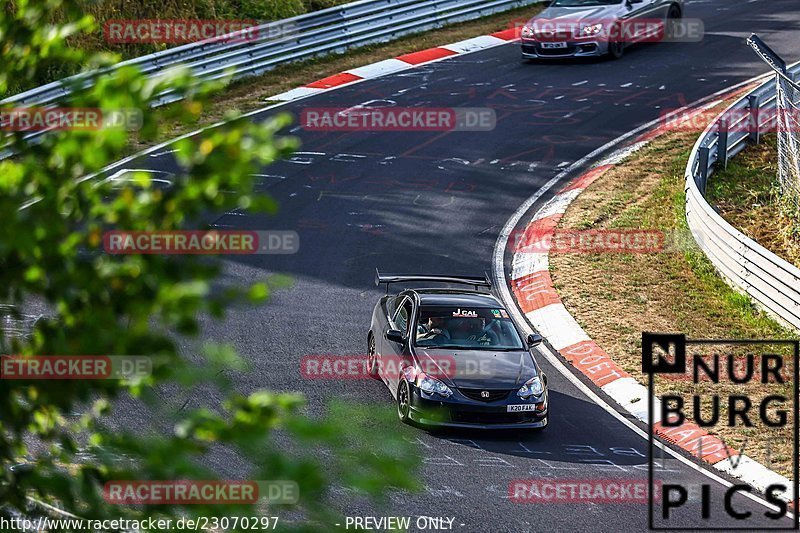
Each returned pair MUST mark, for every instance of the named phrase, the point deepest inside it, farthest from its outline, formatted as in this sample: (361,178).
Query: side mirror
(534,339)
(395,335)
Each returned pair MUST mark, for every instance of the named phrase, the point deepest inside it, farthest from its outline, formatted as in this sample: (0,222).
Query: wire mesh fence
(788,113)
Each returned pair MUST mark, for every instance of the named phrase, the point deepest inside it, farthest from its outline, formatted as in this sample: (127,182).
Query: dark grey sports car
(454,357)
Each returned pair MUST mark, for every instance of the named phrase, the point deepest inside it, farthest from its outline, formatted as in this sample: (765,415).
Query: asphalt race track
(434,203)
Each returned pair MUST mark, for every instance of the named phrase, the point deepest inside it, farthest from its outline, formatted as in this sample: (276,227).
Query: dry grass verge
(615,297)
(747,195)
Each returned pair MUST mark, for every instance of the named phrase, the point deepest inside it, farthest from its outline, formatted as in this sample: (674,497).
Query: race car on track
(454,357)
(594,28)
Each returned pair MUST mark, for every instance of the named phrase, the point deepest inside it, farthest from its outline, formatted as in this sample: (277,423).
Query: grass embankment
(616,297)
(748,196)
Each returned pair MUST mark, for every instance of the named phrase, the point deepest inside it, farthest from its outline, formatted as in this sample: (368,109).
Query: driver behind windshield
(434,330)
(468,328)
(472,329)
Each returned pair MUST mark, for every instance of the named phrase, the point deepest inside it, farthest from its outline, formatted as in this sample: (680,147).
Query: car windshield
(584,3)
(467,328)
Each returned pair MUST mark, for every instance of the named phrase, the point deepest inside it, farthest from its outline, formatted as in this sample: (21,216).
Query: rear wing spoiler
(474,281)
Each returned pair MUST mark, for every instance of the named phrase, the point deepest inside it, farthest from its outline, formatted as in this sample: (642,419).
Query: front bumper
(458,411)
(584,48)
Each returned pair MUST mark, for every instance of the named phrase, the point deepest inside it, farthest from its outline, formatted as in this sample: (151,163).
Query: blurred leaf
(57,203)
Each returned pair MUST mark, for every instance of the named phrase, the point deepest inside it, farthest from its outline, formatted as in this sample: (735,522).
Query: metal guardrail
(332,30)
(770,281)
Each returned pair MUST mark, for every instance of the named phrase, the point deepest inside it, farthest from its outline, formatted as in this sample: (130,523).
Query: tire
(372,358)
(404,402)
(616,50)
(673,15)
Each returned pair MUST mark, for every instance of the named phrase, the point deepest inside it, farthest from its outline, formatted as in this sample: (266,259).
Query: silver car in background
(593,28)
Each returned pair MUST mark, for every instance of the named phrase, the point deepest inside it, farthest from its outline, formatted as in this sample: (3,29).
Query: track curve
(433,202)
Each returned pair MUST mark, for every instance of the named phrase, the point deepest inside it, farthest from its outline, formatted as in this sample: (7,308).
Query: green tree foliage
(53,219)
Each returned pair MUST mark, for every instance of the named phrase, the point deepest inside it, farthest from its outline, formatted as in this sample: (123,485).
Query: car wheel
(404,402)
(372,357)
(671,24)
(616,50)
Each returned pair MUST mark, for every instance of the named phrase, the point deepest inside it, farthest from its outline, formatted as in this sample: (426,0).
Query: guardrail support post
(755,118)
(704,157)
(722,144)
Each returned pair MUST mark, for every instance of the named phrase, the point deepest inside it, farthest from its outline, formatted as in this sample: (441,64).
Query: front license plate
(554,45)
(519,408)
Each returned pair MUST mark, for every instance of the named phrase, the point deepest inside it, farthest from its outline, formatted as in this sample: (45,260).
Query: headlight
(527,31)
(594,29)
(431,385)
(532,387)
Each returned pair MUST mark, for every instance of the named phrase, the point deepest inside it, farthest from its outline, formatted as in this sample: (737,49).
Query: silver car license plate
(554,45)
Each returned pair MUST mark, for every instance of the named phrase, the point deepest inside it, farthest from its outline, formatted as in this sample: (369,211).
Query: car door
(642,15)
(397,354)
(385,324)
